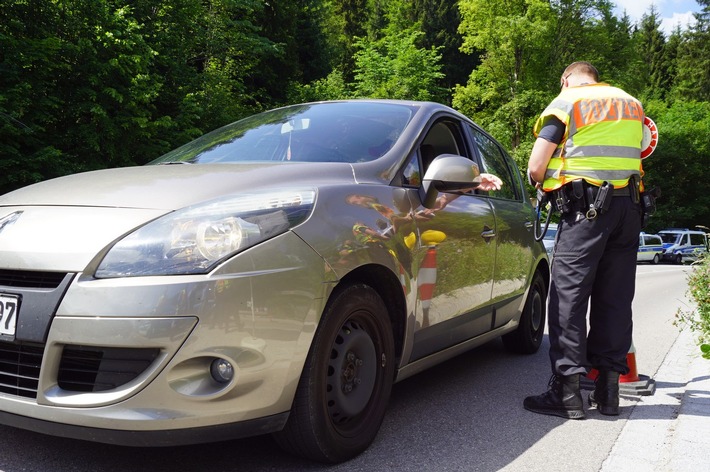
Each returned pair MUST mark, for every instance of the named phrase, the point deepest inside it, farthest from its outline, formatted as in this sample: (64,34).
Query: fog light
(222,371)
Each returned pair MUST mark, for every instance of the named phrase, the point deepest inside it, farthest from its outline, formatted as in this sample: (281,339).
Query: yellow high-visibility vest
(602,140)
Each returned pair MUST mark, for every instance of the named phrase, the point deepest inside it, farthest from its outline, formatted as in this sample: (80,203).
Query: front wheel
(526,339)
(346,382)
(656,259)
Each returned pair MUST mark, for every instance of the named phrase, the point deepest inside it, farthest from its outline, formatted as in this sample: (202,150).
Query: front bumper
(258,311)
(159,438)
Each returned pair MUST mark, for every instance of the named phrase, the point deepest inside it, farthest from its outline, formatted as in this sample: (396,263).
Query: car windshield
(323,132)
(672,238)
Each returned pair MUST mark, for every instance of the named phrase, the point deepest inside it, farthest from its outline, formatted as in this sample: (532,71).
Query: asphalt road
(463,415)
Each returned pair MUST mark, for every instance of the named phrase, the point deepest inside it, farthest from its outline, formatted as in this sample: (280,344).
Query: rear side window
(651,240)
(697,239)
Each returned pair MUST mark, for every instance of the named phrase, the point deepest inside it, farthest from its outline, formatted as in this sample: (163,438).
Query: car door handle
(529,224)
(487,234)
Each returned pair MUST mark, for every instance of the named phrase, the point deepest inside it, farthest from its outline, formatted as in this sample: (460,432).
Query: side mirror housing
(448,173)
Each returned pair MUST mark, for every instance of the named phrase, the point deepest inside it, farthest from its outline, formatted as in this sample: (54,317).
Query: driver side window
(444,137)
(495,162)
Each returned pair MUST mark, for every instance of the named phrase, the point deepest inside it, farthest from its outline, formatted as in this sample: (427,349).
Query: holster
(602,199)
(580,196)
(648,204)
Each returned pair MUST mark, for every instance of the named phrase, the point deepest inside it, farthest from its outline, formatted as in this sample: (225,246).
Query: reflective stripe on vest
(602,139)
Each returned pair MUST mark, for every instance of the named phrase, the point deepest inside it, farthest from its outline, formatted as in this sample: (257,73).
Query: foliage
(699,289)
(439,21)
(75,99)
(652,51)
(679,163)
(91,84)
(87,84)
(394,67)
(501,93)
(348,22)
(390,64)
(332,87)
(692,79)
(525,45)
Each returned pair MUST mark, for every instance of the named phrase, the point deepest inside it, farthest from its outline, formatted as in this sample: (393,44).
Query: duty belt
(590,200)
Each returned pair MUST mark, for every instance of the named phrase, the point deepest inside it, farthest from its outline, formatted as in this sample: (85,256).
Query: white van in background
(650,248)
(681,245)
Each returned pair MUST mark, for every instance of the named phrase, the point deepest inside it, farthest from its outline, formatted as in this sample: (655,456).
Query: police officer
(587,157)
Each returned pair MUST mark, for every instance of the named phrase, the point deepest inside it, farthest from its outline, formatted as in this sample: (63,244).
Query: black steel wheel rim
(352,373)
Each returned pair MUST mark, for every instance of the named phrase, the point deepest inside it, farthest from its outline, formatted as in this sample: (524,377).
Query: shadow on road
(465,414)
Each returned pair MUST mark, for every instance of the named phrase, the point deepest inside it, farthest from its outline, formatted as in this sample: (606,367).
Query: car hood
(63,224)
(170,187)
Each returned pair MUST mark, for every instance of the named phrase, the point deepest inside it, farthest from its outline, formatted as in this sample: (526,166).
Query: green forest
(89,84)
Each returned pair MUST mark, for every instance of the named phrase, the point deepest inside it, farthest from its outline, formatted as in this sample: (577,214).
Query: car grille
(82,368)
(19,368)
(31,279)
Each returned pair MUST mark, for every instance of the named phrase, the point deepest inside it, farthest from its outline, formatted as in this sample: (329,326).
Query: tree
(502,93)
(394,67)
(616,52)
(525,45)
(671,59)
(348,22)
(95,83)
(297,48)
(87,84)
(207,54)
(388,63)
(693,74)
(76,89)
(652,43)
(440,21)
(679,163)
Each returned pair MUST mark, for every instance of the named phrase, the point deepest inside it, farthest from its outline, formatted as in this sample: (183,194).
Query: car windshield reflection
(324,132)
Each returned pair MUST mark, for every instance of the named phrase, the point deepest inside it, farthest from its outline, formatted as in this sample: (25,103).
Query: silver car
(276,275)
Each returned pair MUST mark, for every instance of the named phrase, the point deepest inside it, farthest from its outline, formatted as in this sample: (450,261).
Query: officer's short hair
(583,68)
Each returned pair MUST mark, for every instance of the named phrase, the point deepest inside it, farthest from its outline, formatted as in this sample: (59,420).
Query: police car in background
(549,240)
(650,248)
(682,244)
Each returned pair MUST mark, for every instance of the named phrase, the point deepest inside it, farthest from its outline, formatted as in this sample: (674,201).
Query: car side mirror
(448,173)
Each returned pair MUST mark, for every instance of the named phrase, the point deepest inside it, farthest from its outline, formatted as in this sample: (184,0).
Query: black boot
(562,399)
(606,393)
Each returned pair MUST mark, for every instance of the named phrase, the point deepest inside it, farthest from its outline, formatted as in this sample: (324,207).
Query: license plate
(9,309)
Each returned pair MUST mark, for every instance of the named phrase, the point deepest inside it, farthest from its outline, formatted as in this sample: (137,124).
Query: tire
(656,259)
(346,382)
(678,259)
(527,337)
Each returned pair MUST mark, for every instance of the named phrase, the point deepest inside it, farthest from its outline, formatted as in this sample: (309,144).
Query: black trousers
(594,260)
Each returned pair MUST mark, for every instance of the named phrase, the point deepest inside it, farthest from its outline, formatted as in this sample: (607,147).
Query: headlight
(193,240)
